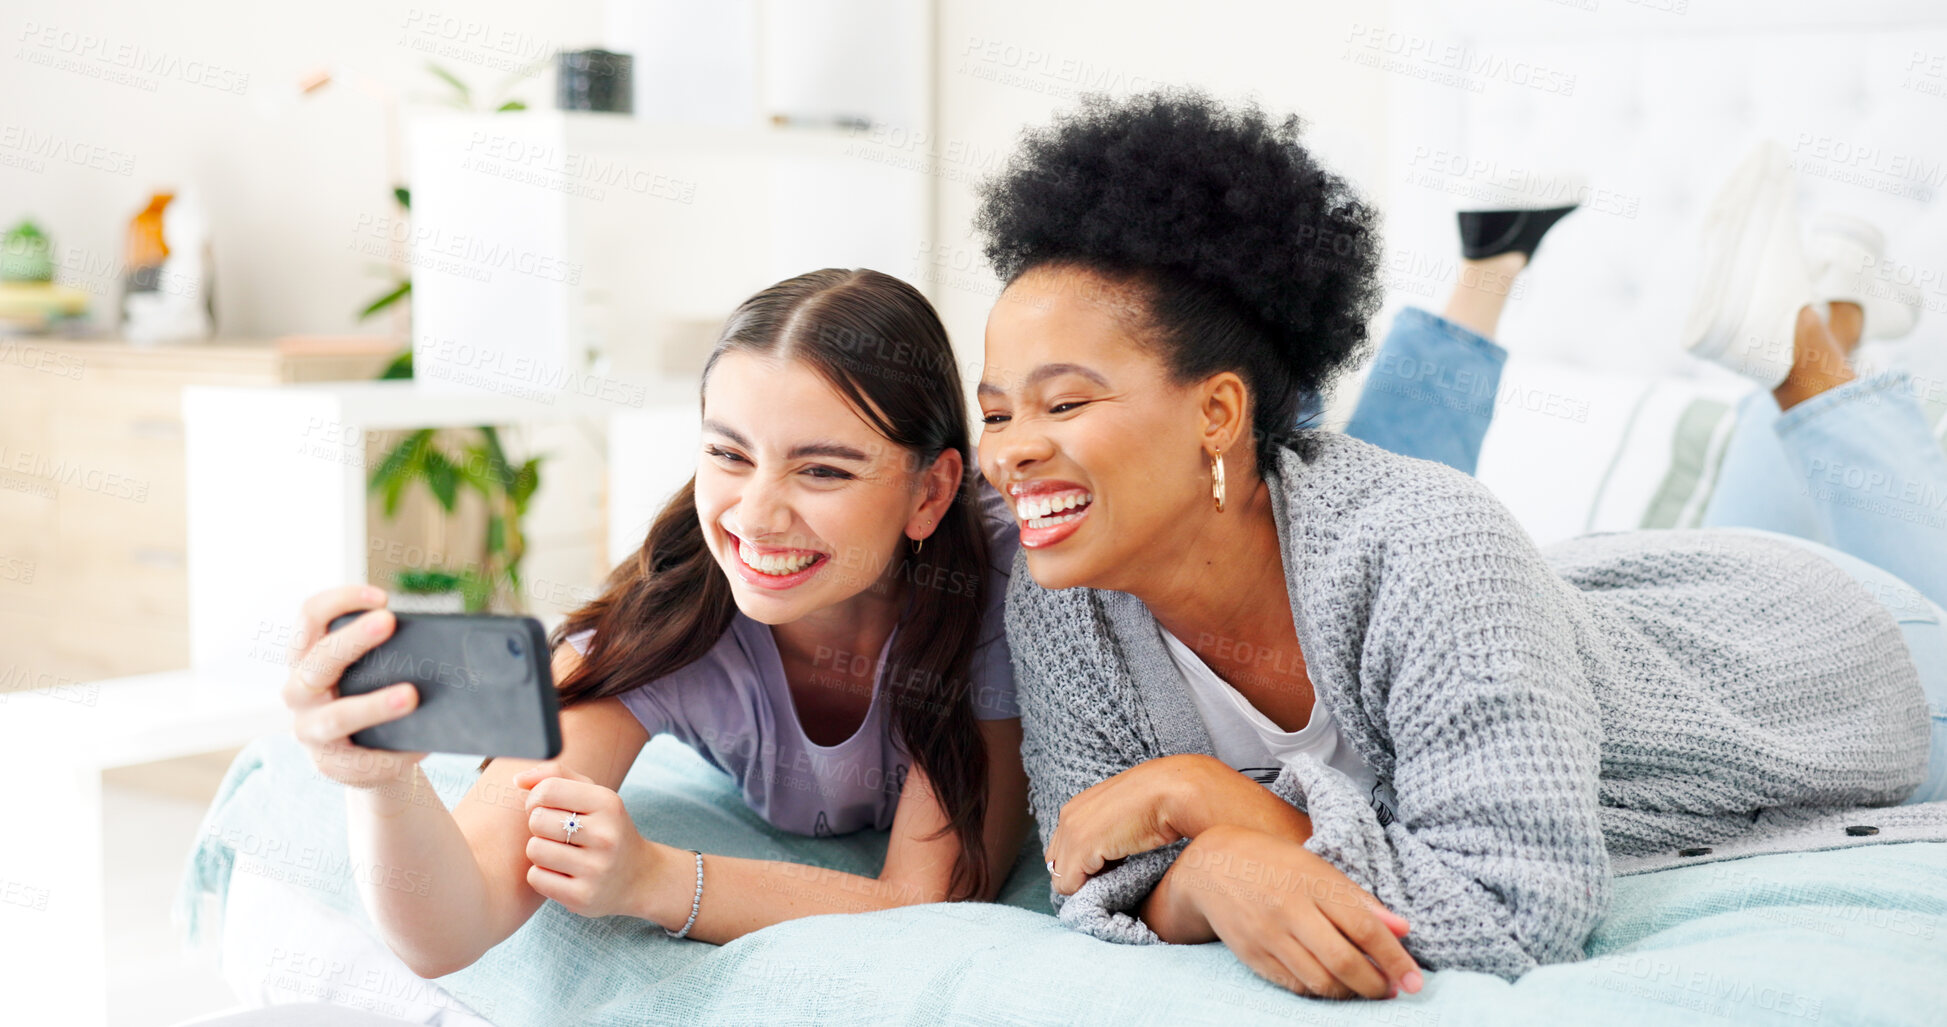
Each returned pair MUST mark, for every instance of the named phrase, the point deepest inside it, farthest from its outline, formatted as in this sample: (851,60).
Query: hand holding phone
(333,717)
(484,685)
(322,720)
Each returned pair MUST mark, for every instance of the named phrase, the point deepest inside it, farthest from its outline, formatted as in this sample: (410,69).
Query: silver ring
(569,825)
(1051,868)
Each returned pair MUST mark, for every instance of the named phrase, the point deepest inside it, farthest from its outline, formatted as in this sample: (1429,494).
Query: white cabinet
(548,247)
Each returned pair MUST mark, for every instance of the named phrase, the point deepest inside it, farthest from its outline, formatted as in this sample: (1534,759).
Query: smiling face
(1100,452)
(802,503)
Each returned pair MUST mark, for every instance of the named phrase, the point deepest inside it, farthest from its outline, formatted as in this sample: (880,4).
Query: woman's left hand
(1134,811)
(604,870)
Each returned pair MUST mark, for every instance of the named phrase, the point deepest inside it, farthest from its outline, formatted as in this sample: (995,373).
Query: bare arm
(469,865)
(442,886)
(445,886)
(744,895)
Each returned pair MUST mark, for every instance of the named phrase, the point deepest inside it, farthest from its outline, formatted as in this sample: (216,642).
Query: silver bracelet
(695,901)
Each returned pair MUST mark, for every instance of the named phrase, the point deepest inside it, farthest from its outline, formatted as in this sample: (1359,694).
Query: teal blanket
(1849,936)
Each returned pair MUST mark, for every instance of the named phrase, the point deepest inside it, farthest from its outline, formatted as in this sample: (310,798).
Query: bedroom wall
(104,102)
(1654,102)
(1007,64)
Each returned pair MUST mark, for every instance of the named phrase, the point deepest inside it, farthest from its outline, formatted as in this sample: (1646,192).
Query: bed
(1849,936)
(1667,98)
(1854,936)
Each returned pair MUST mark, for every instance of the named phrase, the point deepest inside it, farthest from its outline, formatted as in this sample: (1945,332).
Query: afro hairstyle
(1251,256)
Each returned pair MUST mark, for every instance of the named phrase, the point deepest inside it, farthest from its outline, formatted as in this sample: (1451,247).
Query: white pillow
(1573,450)
(282,946)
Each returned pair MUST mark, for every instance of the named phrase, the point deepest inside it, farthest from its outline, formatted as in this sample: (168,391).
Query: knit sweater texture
(1548,718)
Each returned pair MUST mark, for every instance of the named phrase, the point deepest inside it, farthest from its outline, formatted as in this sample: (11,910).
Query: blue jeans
(1855,467)
(1431,391)
(1853,473)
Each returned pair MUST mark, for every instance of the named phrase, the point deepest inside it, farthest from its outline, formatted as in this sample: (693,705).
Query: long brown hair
(878,342)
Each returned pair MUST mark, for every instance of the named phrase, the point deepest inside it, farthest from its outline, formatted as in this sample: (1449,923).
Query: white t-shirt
(1246,740)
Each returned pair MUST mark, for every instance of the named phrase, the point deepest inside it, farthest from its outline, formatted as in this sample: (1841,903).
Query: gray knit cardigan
(1616,703)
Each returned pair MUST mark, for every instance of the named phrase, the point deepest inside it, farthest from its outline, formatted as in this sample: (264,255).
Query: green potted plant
(428,591)
(505,489)
(480,463)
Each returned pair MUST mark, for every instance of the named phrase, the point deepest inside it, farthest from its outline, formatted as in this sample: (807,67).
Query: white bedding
(282,946)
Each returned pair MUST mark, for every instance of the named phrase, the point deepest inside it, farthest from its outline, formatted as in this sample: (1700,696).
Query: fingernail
(401,696)
(1412,981)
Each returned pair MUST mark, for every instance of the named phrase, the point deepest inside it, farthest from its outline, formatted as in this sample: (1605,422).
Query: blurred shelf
(93,540)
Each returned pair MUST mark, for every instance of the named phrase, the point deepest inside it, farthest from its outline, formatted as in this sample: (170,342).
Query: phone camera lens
(514,647)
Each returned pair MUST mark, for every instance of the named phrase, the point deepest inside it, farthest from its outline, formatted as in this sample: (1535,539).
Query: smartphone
(486,686)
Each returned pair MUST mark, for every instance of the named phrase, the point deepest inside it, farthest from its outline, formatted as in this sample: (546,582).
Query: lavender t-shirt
(734,708)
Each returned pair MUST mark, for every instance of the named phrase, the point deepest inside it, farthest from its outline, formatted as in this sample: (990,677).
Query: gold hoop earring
(916,543)
(1217,480)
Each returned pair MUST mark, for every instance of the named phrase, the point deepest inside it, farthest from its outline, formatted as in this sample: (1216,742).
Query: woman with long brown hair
(817,613)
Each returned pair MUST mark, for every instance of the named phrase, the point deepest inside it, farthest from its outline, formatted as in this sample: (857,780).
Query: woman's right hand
(1294,918)
(324,721)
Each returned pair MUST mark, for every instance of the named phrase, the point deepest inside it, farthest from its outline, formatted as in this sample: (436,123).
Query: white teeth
(775,563)
(1040,511)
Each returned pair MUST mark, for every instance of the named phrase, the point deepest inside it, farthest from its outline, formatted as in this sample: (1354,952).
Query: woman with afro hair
(1326,701)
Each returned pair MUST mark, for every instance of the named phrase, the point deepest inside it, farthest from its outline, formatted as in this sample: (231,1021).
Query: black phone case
(485,685)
